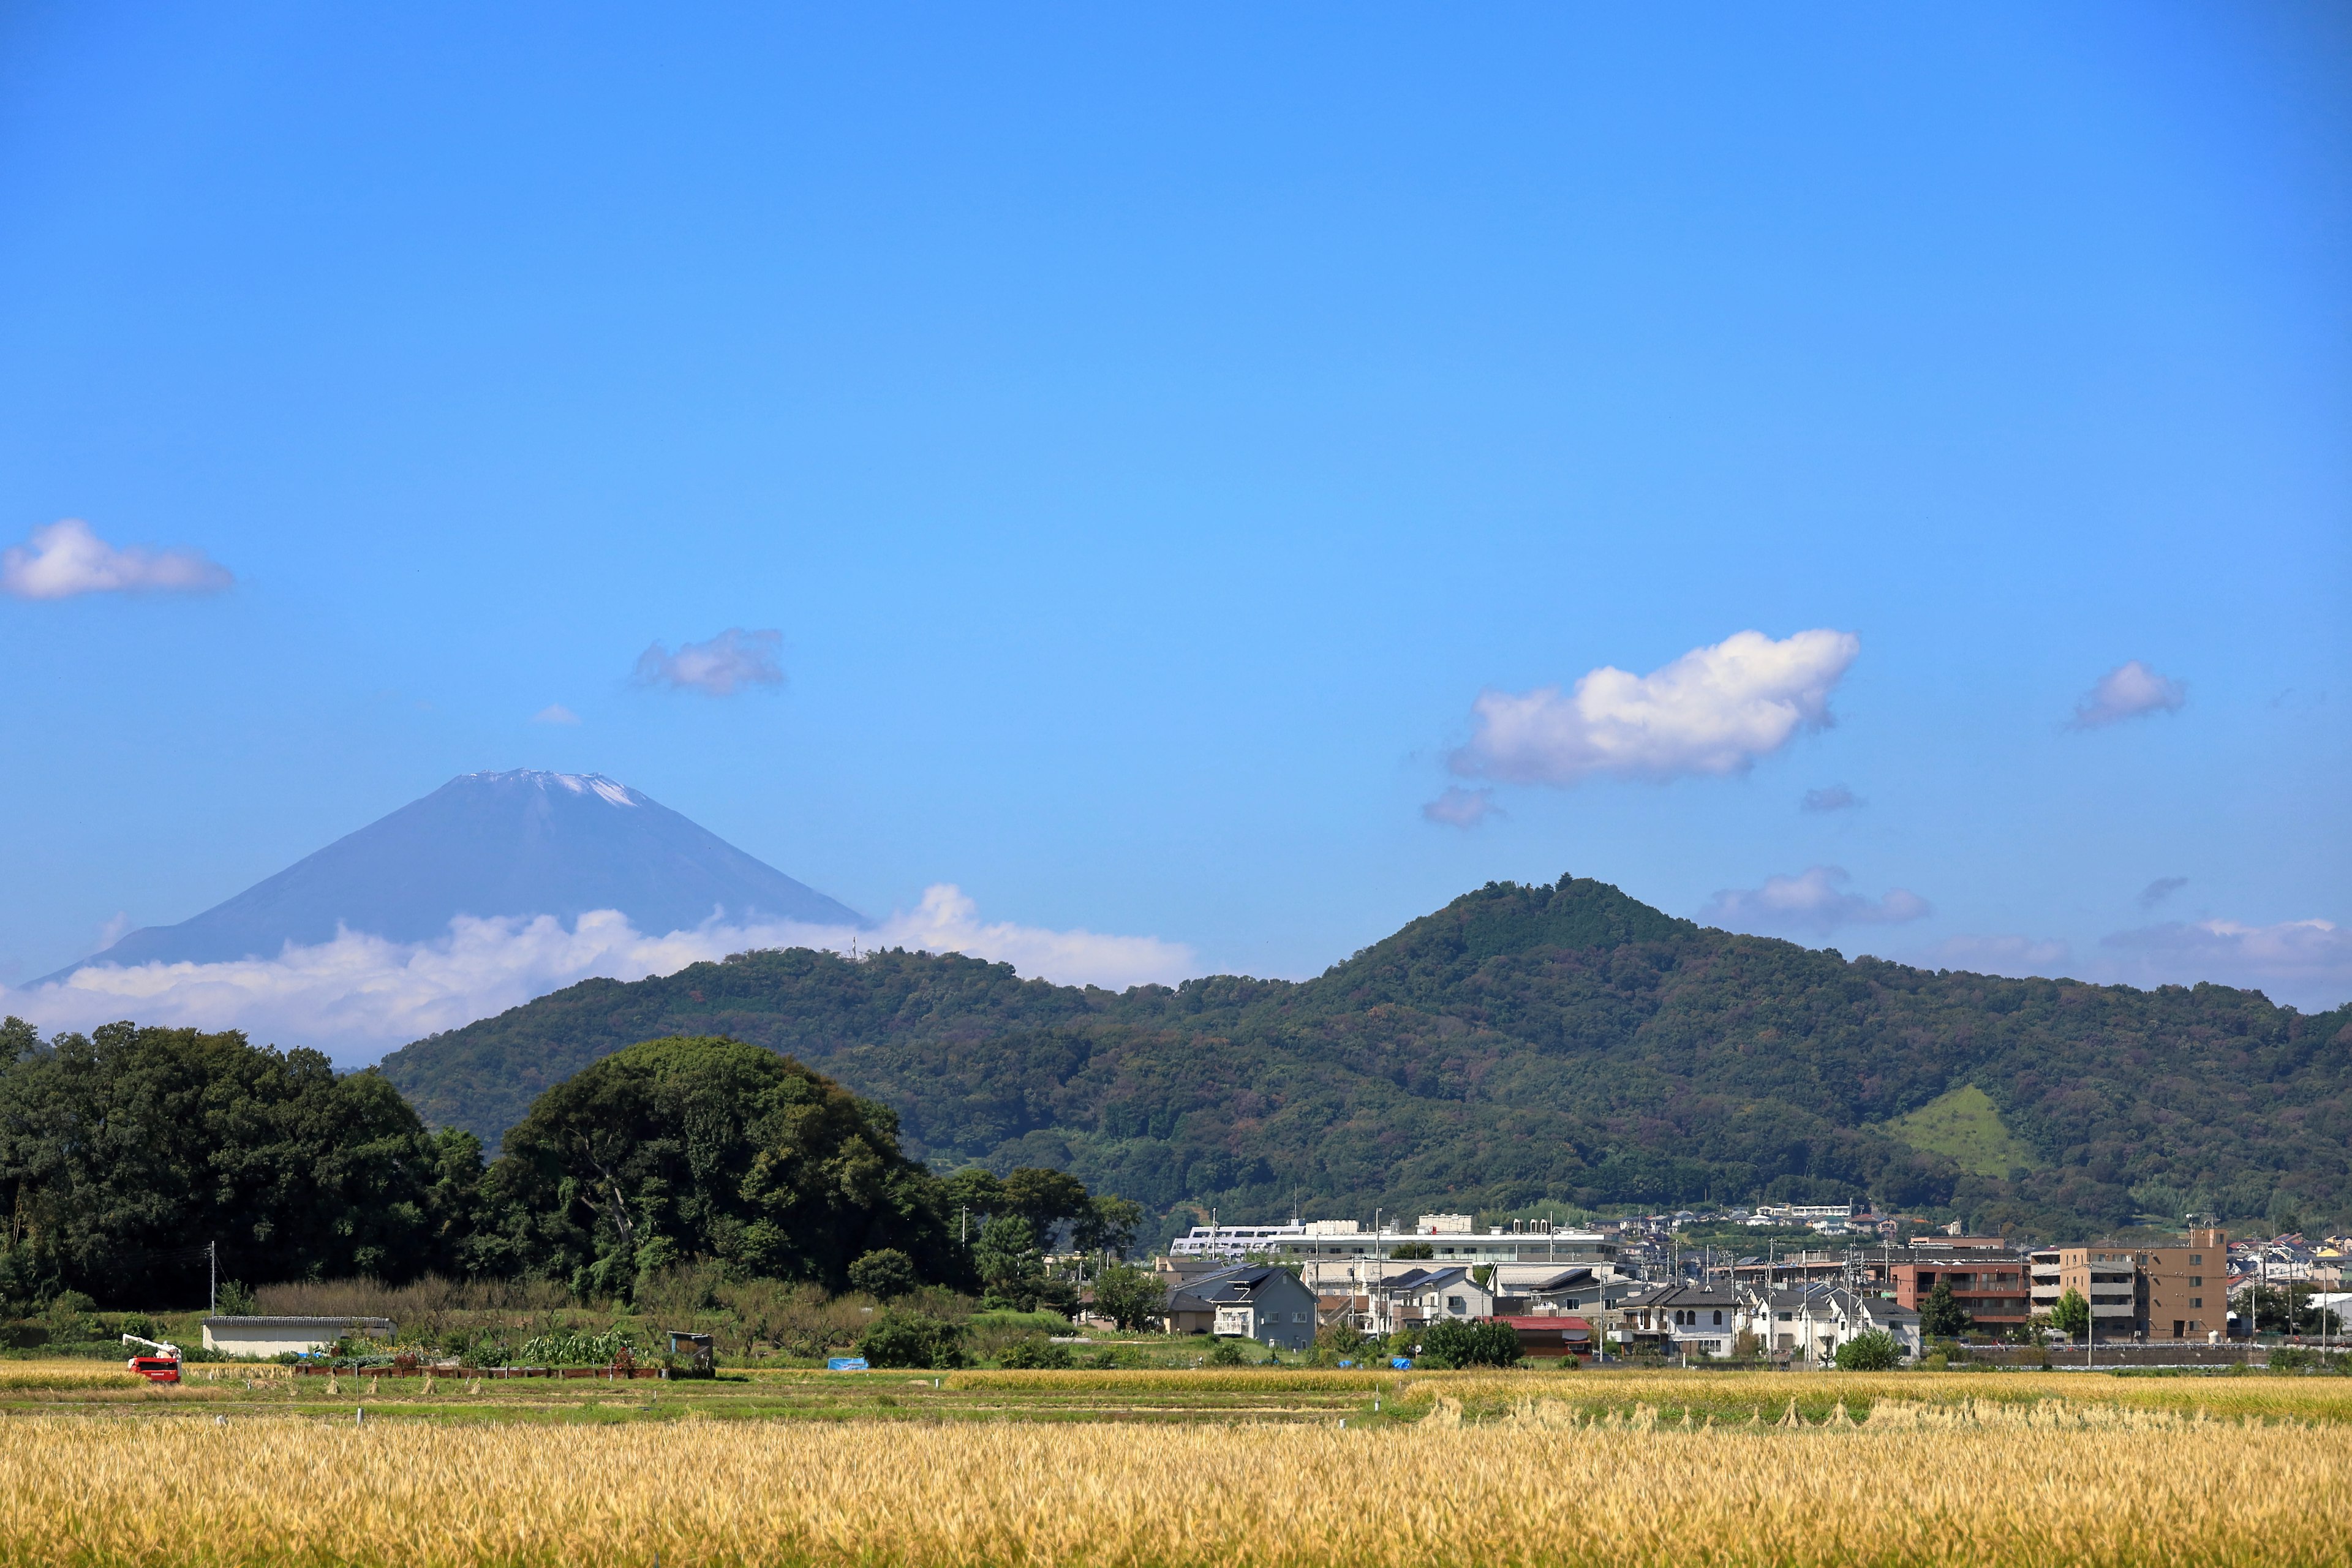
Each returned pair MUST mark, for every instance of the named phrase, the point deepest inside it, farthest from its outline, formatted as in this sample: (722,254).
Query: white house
(260,1338)
(1810,1322)
(1689,1319)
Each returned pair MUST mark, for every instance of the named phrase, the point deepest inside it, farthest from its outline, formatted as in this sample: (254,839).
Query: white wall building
(1450,1238)
(1810,1322)
(261,1338)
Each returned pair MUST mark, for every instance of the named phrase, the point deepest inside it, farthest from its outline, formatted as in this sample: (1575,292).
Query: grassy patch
(1964,1126)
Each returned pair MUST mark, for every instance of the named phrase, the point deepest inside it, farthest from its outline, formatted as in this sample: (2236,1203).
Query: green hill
(1522,1043)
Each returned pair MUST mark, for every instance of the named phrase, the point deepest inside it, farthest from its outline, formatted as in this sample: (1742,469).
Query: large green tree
(701,1147)
(125,1152)
(1941,1315)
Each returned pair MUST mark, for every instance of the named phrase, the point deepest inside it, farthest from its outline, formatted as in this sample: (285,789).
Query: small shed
(265,1337)
(1551,1334)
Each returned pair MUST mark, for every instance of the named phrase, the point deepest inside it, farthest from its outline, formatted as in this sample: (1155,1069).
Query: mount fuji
(489,844)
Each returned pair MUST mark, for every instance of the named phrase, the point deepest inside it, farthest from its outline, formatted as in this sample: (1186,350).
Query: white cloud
(1814,903)
(1837,797)
(359,995)
(1460,807)
(2305,963)
(66,559)
(733,659)
(2163,887)
(2130,690)
(1713,710)
(555,713)
(2018,956)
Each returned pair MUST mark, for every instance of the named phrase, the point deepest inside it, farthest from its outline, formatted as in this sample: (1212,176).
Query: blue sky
(1150,438)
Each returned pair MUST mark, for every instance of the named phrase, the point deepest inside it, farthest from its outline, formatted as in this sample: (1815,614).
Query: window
(1453,1304)
(2197,1301)
(2197,1258)
(2197,1280)
(1719,1319)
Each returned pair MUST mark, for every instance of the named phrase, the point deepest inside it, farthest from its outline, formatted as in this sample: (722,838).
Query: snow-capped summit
(517,843)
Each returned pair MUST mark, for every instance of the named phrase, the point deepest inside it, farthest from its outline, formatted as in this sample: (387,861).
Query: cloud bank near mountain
(359,995)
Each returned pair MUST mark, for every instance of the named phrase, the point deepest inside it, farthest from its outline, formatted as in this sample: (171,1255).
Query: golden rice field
(1161,1468)
(1922,1482)
(1534,1467)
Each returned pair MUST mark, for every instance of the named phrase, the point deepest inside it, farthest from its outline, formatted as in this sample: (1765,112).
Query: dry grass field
(1061,1468)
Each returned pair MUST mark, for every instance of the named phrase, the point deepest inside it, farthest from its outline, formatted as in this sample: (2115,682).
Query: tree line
(128,1154)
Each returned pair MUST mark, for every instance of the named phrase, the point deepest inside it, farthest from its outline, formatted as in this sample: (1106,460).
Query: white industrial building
(261,1338)
(1450,1238)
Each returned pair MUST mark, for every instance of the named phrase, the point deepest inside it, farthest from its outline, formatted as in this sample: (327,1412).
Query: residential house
(1254,1301)
(1807,1323)
(1428,1295)
(1690,1320)
(1524,1289)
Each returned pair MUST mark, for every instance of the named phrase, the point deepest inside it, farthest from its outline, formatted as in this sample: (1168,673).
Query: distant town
(1804,1282)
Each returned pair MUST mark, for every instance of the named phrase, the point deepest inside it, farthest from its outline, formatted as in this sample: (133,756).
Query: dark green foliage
(1130,1297)
(898,1338)
(1412,1251)
(1106,1224)
(1037,1353)
(683,1149)
(1227,1352)
(2070,1316)
(1453,1342)
(1045,1198)
(123,1152)
(1012,1271)
(1874,1352)
(2288,1310)
(1941,1315)
(1523,1042)
(885,1272)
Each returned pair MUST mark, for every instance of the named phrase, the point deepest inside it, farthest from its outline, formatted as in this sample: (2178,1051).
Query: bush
(1874,1352)
(886,1273)
(1037,1353)
(1453,1342)
(1227,1352)
(912,1339)
(1130,1297)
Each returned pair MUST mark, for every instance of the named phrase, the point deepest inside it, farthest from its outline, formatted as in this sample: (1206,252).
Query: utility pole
(211,1252)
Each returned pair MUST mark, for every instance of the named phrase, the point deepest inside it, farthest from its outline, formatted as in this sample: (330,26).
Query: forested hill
(1523,1043)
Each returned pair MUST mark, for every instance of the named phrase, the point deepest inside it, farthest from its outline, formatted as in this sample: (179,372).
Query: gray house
(1254,1301)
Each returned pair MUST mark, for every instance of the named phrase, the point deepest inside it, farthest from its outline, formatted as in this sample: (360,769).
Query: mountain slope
(1523,1043)
(520,842)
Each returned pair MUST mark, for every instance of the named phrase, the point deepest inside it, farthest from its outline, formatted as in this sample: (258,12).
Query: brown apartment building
(1989,1285)
(2177,1291)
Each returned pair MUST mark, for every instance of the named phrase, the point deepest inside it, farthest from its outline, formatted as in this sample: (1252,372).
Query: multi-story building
(2182,1293)
(1450,1238)
(1990,1286)
(2177,1291)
